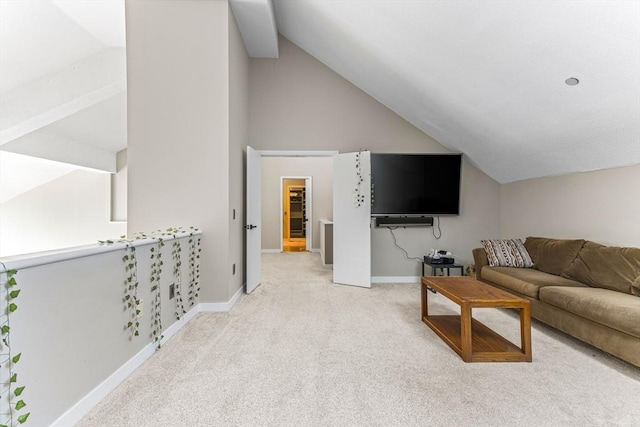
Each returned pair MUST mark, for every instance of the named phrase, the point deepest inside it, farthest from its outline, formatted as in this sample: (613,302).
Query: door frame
(295,153)
(308,207)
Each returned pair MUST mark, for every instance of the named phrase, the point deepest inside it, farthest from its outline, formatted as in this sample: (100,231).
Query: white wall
(178,76)
(70,326)
(602,206)
(119,188)
(72,210)
(320,169)
(238,140)
(297,103)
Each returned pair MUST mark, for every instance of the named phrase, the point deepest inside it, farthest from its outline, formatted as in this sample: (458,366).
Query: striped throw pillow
(507,253)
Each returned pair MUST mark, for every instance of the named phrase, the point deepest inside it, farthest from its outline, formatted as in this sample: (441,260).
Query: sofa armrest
(480,260)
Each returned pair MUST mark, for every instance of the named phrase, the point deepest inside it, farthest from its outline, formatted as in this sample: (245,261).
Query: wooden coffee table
(472,340)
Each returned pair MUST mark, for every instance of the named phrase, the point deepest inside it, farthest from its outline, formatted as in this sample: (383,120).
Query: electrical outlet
(172,291)
(139,309)
(234,269)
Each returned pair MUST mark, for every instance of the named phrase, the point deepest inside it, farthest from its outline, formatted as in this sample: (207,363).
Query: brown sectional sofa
(584,289)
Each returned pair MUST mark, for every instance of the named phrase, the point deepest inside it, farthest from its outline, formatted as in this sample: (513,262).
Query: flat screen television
(415,184)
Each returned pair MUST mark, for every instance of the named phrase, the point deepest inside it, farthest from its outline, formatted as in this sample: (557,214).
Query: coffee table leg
(465,332)
(425,308)
(525,332)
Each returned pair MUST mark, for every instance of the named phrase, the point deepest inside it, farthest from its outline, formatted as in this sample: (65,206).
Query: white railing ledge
(21,262)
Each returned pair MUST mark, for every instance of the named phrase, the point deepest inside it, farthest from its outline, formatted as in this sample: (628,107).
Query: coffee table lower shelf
(487,345)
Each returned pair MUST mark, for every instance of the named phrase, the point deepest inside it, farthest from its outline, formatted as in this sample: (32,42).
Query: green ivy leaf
(14,378)
(23,418)
(5,329)
(20,405)
(12,307)
(18,391)
(16,358)
(12,281)
(15,293)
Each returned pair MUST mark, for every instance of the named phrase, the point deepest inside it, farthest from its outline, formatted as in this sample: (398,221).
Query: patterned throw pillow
(507,253)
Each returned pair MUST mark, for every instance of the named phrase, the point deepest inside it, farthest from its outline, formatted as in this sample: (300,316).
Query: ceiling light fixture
(572,81)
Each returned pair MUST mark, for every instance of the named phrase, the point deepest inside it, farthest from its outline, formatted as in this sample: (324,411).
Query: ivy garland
(194,269)
(177,276)
(156,306)
(358,192)
(12,394)
(9,391)
(131,300)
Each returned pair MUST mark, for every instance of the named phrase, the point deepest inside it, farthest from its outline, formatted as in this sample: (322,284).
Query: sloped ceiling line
(487,78)
(54,97)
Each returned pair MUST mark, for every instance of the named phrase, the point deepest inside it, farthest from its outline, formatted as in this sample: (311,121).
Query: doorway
(295,213)
(253,222)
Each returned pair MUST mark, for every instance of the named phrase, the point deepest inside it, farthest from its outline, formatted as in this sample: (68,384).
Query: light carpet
(301,350)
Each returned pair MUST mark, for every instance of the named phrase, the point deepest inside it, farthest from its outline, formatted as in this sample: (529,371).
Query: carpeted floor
(303,351)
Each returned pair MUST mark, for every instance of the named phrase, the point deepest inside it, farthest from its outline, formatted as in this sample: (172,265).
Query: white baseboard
(74,414)
(395,279)
(222,306)
(95,396)
(315,250)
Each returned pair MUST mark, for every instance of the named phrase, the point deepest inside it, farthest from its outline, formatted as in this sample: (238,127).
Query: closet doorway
(295,213)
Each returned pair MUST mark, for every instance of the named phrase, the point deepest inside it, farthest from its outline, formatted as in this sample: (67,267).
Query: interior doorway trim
(293,153)
(279,153)
(308,203)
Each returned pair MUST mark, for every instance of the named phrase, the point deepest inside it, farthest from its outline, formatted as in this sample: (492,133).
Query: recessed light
(572,81)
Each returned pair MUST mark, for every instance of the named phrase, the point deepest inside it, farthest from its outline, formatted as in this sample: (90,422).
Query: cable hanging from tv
(404,251)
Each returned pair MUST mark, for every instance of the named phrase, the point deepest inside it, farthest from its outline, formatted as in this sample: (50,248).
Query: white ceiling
(33,172)
(62,89)
(483,78)
(257,25)
(486,78)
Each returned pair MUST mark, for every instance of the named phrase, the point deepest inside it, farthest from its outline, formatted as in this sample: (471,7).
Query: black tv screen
(415,184)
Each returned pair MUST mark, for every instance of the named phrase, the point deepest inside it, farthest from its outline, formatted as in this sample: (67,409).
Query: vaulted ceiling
(62,89)
(486,78)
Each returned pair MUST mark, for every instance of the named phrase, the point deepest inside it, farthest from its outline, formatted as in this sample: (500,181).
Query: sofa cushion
(614,309)
(507,253)
(526,281)
(606,267)
(552,255)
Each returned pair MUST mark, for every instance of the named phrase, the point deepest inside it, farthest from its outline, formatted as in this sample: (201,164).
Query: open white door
(352,219)
(254,218)
(308,217)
